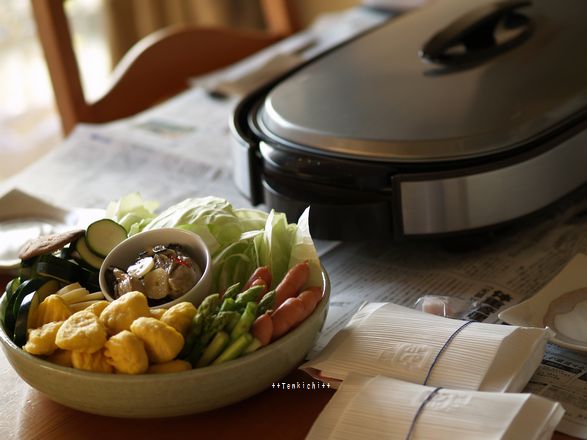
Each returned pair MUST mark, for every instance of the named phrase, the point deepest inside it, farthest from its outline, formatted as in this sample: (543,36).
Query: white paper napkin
(381,407)
(395,341)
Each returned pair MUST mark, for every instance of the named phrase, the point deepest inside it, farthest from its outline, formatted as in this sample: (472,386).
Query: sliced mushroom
(182,279)
(156,285)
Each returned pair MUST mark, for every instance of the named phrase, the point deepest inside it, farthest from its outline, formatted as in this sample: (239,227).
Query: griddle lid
(519,75)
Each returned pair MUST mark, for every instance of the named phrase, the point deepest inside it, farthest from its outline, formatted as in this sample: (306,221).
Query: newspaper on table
(182,149)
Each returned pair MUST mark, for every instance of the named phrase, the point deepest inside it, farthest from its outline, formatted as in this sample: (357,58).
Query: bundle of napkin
(406,344)
(407,374)
(381,407)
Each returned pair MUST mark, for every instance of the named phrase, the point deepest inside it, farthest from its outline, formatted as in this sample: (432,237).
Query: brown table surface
(274,413)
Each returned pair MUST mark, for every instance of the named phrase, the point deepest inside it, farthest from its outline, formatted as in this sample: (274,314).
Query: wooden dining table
(276,412)
(90,169)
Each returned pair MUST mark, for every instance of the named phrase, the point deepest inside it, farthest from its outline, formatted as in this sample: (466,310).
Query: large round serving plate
(174,394)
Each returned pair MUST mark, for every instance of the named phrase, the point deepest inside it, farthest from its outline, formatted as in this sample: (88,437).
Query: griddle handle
(476,32)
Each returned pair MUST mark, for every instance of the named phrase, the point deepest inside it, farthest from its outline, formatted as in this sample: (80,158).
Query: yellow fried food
(126,353)
(96,307)
(41,341)
(157,313)
(61,357)
(83,332)
(174,366)
(162,341)
(180,316)
(51,309)
(96,361)
(119,314)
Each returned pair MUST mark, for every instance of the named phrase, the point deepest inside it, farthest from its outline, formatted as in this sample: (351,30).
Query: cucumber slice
(87,255)
(26,315)
(103,235)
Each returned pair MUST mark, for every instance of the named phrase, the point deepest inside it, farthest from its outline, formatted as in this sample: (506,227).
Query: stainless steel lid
(376,98)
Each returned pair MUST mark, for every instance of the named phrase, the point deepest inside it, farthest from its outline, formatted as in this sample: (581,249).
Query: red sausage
(292,282)
(310,298)
(262,328)
(263,273)
(287,316)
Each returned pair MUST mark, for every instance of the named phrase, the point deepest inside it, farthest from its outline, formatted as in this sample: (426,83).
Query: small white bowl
(126,253)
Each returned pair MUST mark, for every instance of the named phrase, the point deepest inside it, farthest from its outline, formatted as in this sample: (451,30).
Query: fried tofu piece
(81,332)
(96,361)
(157,313)
(53,308)
(41,341)
(174,366)
(180,316)
(61,357)
(162,342)
(120,314)
(98,307)
(126,353)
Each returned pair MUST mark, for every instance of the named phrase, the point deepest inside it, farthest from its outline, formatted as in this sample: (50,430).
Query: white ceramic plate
(560,306)
(23,217)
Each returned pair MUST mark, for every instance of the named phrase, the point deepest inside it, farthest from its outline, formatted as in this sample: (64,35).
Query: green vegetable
(235,349)
(17,318)
(267,302)
(132,212)
(103,235)
(253,346)
(231,317)
(210,305)
(232,291)
(193,335)
(251,294)
(228,304)
(218,343)
(245,321)
(86,255)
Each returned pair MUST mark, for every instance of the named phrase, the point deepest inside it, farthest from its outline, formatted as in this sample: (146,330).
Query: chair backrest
(156,68)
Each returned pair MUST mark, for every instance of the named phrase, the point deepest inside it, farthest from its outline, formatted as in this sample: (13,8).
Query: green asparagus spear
(210,305)
(228,304)
(216,323)
(193,335)
(218,343)
(254,345)
(232,291)
(245,322)
(267,302)
(234,318)
(235,349)
(251,294)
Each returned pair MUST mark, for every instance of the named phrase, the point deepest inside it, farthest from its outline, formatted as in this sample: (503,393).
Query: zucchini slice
(86,255)
(26,315)
(57,268)
(103,235)
(23,290)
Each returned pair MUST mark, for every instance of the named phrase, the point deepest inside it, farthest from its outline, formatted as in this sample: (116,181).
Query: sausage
(292,282)
(262,329)
(310,298)
(263,273)
(287,316)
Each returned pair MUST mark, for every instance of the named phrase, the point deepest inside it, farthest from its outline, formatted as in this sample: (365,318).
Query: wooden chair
(156,68)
